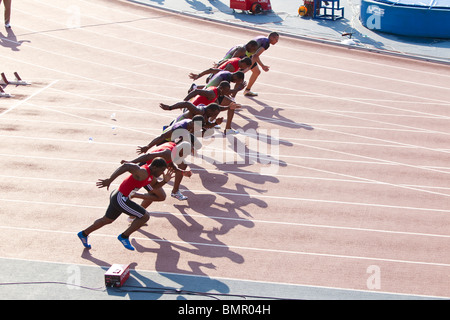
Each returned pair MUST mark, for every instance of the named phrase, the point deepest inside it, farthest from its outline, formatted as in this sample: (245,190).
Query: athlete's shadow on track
(236,198)
(245,150)
(10,41)
(200,242)
(216,182)
(269,114)
(225,214)
(168,256)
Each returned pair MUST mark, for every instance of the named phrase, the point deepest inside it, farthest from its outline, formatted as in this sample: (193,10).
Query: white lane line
(139,111)
(341,174)
(213,34)
(133,89)
(269,157)
(28,98)
(278,251)
(243,220)
(289,74)
(359,181)
(364,120)
(287,199)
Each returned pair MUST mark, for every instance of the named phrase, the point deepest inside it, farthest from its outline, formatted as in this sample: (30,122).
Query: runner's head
(224,87)
(245,63)
(273,38)
(237,77)
(251,46)
(212,110)
(158,166)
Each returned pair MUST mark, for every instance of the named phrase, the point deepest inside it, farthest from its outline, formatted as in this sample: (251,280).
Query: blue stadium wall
(405,20)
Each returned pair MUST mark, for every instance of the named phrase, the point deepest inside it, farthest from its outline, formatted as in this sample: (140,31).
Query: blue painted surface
(39,280)
(406,19)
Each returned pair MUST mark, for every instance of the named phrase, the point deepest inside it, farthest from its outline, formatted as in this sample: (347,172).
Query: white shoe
(7,25)
(130,219)
(231,131)
(178,195)
(249,93)
(192,88)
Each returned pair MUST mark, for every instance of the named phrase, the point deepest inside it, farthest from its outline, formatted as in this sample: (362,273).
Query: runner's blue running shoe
(84,240)
(126,242)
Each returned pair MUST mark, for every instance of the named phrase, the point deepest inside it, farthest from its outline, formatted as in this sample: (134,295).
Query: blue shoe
(126,242)
(84,240)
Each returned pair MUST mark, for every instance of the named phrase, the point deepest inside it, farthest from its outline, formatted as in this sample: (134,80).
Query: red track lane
(360,176)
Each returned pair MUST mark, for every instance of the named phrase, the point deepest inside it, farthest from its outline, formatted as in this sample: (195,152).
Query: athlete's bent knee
(145,217)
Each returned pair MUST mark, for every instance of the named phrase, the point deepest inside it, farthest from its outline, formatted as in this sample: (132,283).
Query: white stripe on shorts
(121,200)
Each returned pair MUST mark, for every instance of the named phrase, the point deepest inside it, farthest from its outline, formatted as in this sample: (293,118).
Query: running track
(361,185)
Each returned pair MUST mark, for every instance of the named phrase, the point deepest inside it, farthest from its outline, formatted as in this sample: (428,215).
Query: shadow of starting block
(3,94)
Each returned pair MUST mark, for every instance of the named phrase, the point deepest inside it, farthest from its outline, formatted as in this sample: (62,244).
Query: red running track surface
(355,195)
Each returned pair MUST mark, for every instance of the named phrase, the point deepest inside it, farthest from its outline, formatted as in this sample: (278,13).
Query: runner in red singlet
(174,154)
(207,102)
(232,65)
(170,133)
(120,201)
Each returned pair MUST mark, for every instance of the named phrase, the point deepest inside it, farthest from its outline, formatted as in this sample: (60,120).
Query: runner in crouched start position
(120,201)
(173,153)
(202,102)
(232,65)
(172,131)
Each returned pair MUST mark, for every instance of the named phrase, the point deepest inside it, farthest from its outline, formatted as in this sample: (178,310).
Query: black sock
(123,236)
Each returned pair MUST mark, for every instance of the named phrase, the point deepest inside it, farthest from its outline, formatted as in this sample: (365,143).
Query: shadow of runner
(166,264)
(10,41)
(236,198)
(273,115)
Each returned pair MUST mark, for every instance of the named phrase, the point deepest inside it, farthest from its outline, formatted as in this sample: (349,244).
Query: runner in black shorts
(120,202)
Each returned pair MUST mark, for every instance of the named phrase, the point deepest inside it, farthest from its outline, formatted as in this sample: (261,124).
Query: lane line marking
(327,255)
(28,98)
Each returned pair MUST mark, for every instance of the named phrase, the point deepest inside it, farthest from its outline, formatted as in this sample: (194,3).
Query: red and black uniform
(163,147)
(202,100)
(120,203)
(233,61)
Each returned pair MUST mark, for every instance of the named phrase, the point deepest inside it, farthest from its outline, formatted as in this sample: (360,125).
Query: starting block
(17,82)
(116,275)
(3,94)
